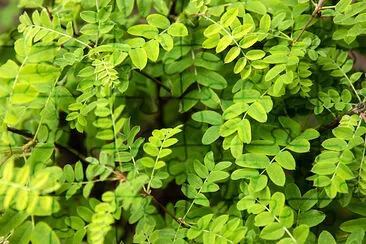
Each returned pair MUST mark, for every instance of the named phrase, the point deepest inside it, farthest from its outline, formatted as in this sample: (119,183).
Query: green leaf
(265,23)
(311,218)
(105,134)
(276,174)
(152,50)
(23,93)
(212,30)
(235,110)
(211,79)
(274,72)
(335,144)
(79,173)
(255,54)
(257,112)
(10,219)
(211,135)
(342,5)
(244,174)
(208,116)
(253,160)
(151,149)
(22,234)
(9,70)
(69,173)
(229,127)
(138,57)
(256,7)
(223,43)
(89,16)
(326,238)
(158,20)
(166,41)
(272,231)
(42,233)
(354,224)
(232,54)
(240,65)
(258,183)
(301,233)
(248,41)
(356,236)
(178,29)
(39,73)
(200,169)
(299,145)
(217,176)
(263,219)
(125,6)
(244,131)
(229,16)
(143,30)
(218,223)
(286,160)
(277,58)
(286,217)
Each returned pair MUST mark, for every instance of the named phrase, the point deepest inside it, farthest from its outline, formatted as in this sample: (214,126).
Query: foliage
(201,121)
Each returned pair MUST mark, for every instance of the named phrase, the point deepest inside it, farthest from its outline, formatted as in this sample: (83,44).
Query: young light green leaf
(143,30)
(229,127)
(138,57)
(9,70)
(326,238)
(240,65)
(253,160)
(228,17)
(286,160)
(211,79)
(232,54)
(274,72)
(178,29)
(276,174)
(208,116)
(223,43)
(299,145)
(211,135)
(125,6)
(272,231)
(152,50)
(23,93)
(255,54)
(158,20)
(335,144)
(244,131)
(257,112)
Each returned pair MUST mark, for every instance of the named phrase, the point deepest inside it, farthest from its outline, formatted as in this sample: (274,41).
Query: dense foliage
(202,121)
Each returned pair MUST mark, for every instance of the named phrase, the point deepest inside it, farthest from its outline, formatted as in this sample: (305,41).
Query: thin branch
(156,81)
(5,159)
(358,109)
(179,221)
(57,145)
(318,7)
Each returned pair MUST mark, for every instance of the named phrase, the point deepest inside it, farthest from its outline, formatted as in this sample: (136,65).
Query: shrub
(202,121)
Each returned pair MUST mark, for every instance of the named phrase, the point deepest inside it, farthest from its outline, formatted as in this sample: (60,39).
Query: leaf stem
(63,34)
(318,7)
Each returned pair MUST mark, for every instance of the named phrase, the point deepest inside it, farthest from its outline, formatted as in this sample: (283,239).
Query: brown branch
(313,15)
(6,158)
(359,109)
(156,81)
(57,145)
(178,220)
